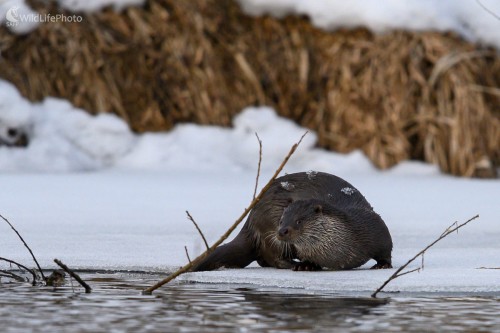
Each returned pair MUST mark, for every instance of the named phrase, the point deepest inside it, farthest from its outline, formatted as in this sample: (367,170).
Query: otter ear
(318,209)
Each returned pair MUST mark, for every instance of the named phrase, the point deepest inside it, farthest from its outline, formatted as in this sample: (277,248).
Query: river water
(117,305)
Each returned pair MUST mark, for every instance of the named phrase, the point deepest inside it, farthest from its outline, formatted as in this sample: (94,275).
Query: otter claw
(306,266)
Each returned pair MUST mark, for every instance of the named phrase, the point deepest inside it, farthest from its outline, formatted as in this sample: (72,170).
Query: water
(116,305)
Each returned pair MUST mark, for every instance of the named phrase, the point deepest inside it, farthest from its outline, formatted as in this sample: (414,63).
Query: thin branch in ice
(408,272)
(187,254)
(447,231)
(198,228)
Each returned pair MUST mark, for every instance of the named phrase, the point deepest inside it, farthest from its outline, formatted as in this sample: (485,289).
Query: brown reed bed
(397,96)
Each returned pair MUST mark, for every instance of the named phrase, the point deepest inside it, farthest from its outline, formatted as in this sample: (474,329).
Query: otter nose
(283,231)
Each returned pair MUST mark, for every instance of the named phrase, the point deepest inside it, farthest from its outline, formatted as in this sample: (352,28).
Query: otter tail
(238,253)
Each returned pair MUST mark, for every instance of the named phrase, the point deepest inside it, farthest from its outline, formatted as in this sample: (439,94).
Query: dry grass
(398,96)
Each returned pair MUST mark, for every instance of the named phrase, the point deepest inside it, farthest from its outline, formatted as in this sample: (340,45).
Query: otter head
(297,217)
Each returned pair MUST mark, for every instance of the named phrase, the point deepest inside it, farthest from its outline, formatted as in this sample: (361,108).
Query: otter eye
(298,221)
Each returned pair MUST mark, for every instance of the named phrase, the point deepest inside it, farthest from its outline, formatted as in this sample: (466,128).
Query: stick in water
(22,240)
(21,267)
(10,275)
(74,275)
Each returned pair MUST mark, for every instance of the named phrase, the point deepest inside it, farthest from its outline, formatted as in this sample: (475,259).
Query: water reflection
(263,310)
(116,304)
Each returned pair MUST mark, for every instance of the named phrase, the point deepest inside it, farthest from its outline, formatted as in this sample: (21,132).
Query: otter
(307,221)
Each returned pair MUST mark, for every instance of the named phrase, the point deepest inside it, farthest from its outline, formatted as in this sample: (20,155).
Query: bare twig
(488,268)
(72,286)
(188,266)
(187,254)
(11,275)
(74,275)
(258,166)
(198,228)
(397,273)
(21,267)
(495,15)
(408,272)
(26,245)
(448,229)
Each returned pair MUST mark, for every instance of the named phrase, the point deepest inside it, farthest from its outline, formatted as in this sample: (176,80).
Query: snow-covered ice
(91,193)
(136,220)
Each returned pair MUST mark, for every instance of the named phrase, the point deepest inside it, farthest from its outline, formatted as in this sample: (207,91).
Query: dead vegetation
(425,95)
(55,279)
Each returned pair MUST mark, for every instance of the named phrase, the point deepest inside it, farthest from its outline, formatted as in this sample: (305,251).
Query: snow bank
(465,17)
(64,138)
(61,137)
(15,114)
(96,5)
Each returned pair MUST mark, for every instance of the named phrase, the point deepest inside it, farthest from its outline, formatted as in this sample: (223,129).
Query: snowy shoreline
(91,193)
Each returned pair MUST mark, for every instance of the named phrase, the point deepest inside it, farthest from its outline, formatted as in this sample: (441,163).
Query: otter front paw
(306,266)
(381,265)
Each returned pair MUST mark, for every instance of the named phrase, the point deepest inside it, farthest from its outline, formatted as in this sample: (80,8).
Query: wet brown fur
(345,233)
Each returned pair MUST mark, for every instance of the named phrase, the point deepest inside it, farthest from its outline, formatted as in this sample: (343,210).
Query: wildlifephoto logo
(14,17)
